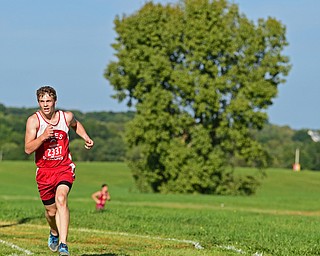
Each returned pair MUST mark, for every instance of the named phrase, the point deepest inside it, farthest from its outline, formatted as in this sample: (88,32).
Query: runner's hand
(88,143)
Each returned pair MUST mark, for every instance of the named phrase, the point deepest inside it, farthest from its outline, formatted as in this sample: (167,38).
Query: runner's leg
(50,214)
(62,215)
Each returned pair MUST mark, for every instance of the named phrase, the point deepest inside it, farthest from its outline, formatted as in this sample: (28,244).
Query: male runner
(47,136)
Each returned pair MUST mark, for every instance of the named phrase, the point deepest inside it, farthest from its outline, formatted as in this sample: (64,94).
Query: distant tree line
(281,143)
(107,129)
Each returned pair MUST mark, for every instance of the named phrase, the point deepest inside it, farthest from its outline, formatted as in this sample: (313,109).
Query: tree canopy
(201,76)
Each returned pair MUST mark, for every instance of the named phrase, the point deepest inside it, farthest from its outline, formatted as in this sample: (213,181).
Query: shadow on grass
(19,222)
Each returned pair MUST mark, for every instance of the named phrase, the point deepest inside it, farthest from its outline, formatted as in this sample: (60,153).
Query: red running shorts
(48,179)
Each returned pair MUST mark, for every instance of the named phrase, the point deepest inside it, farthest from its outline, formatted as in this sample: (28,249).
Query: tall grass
(281,219)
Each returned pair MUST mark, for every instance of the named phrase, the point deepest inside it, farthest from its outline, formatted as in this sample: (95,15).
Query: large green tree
(201,76)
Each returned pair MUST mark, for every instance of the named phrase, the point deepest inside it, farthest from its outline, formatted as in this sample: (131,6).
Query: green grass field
(281,219)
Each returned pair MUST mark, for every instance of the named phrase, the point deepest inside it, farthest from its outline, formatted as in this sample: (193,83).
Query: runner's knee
(51,212)
(61,200)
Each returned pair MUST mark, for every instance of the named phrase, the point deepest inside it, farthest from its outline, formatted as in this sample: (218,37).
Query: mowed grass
(281,219)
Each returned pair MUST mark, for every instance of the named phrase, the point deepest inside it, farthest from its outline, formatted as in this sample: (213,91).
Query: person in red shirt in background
(47,136)
(101,197)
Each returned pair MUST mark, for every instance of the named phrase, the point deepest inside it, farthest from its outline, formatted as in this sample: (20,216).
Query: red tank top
(102,200)
(54,151)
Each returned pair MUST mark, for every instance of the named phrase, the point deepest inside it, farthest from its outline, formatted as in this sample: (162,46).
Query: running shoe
(53,242)
(63,250)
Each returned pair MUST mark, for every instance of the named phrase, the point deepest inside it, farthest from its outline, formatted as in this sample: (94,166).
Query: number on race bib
(54,152)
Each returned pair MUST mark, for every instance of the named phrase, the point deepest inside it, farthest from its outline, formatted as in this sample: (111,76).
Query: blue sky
(68,44)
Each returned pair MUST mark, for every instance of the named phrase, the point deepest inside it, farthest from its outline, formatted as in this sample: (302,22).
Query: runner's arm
(108,196)
(95,197)
(31,142)
(80,130)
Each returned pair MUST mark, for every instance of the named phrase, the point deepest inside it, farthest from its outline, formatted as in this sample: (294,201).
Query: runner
(101,196)
(47,136)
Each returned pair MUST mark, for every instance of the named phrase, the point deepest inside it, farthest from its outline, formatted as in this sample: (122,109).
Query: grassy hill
(281,219)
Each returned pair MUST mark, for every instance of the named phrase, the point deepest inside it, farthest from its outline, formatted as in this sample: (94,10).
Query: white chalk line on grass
(16,247)
(240,251)
(197,245)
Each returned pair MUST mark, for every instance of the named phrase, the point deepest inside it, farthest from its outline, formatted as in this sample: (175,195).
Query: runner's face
(47,104)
